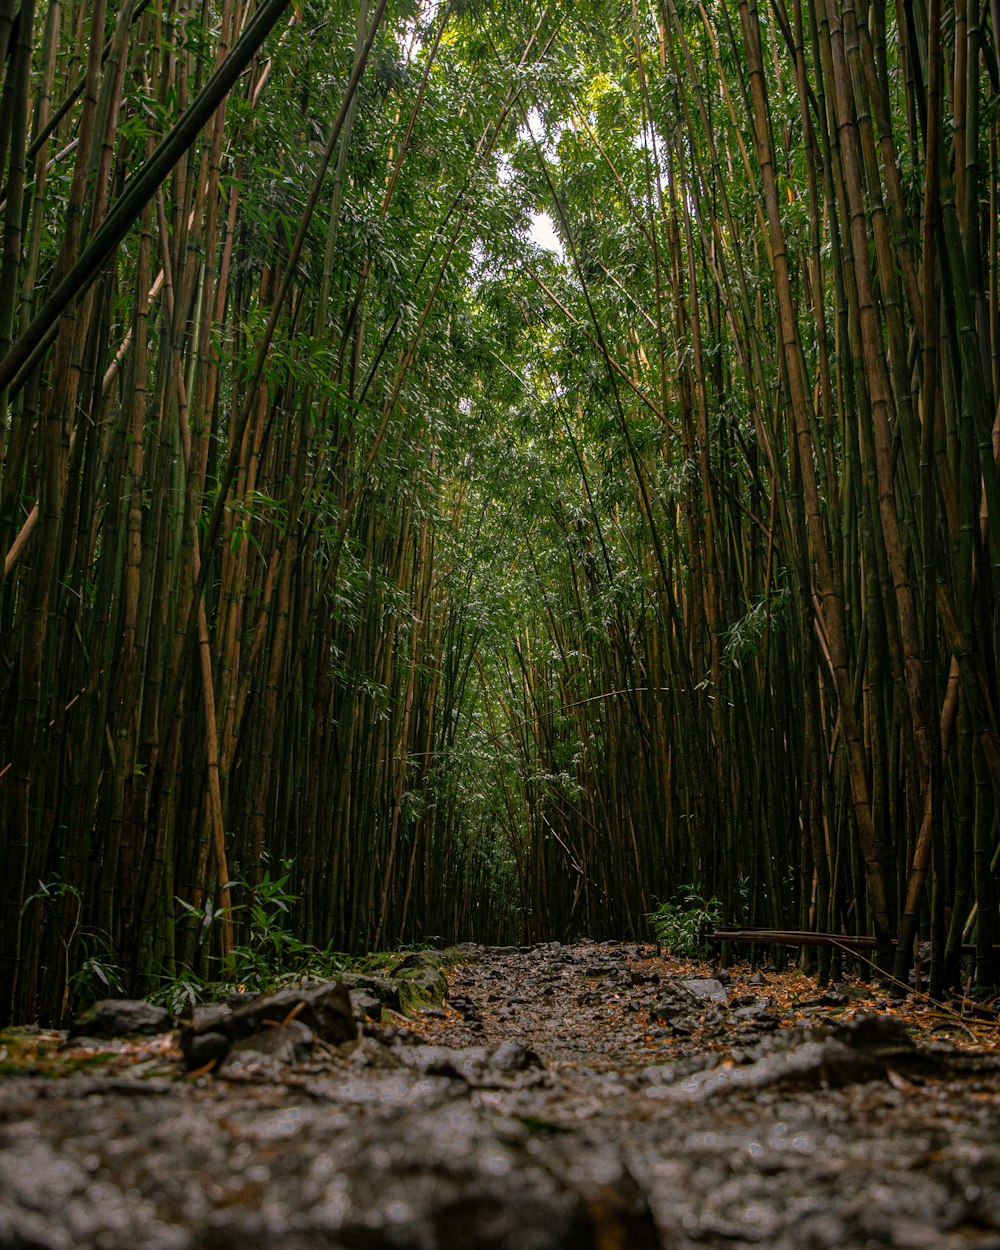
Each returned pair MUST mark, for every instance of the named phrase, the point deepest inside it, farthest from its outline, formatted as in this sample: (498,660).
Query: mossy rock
(418,976)
(421,987)
(125,1017)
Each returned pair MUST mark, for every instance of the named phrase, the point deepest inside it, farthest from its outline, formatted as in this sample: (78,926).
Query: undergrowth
(273,957)
(681,925)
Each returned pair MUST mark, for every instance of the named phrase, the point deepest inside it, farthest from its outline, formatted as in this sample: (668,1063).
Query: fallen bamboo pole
(801,937)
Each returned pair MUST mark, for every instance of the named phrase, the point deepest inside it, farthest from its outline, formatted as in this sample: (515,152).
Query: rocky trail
(584,1097)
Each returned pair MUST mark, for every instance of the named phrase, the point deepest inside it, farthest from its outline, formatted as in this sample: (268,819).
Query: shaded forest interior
(479,471)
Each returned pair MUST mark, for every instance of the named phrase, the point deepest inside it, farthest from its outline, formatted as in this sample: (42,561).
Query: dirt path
(590,1097)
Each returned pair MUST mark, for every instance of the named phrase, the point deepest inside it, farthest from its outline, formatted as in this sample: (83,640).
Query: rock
(120,1018)
(365,1006)
(751,1012)
(204,1015)
(420,987)
(878,1034)
(823,1000)
(419,980)
(472,951)
(811,1065)
(513,1057)
(280,1044)
(370,1160)
(417,961)
(204,1048)
(707,989)
(368,990)
(482,1067)
(758,978)
(669,1073)
(326,1011)
(867,1048)
(455,1183)
(373,1053)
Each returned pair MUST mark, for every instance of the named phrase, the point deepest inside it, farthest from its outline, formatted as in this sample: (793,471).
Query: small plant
(272,955)
(96,974)
(272,951)
(681,925)
(180,994)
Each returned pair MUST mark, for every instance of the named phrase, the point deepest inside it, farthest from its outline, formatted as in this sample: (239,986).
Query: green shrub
(681,925)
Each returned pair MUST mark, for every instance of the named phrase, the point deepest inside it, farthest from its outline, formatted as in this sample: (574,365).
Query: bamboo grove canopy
(478,471)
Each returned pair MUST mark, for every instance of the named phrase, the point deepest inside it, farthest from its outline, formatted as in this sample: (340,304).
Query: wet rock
(279,1045)
(482,1067)
(41,1192)
(707,989)
(370,993)
(365,1006)
(750,1012)
(205,1015)
(812,1065)
(669,1073)
(325,1011)
(513,1057)
(419,980)
(417,1173)
(879,1034)
(374,1053)
(201,1049)
(456,1183)
(868,1048)
(120,1018)
(472,951)
(417,961)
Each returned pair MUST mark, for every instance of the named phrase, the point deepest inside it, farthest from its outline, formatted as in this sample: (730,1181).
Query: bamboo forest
(481,472)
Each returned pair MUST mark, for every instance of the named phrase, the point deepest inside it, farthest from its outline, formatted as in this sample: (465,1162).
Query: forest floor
(584,1097)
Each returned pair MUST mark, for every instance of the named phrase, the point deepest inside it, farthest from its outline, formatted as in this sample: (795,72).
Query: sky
(543,232)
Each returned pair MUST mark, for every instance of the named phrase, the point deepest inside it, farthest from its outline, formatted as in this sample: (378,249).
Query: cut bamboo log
(800,937)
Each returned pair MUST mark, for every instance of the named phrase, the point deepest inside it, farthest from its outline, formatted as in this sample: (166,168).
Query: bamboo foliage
(195,522)
(483,590)
(819,269)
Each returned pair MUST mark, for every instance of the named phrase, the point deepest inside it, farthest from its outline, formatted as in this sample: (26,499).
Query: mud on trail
(584,1097)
